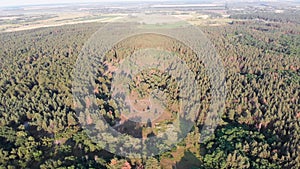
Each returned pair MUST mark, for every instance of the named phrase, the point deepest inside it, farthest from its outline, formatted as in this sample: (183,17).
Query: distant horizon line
(75,2)
(47,3)
(106,2)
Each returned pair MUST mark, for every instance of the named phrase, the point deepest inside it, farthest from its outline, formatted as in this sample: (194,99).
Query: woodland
(259,128)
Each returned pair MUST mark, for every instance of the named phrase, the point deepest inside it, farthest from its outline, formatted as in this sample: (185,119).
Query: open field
(58,20)
(10,25)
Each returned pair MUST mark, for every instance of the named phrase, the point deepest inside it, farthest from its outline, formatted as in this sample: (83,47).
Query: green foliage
(236,147)
(261,129)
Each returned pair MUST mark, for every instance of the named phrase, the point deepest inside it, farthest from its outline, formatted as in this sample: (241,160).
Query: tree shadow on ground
(188,161)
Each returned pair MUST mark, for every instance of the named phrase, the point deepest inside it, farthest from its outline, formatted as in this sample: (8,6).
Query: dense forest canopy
(260,127)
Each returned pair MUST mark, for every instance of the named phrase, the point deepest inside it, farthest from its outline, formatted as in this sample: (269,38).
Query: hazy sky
(5,3)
